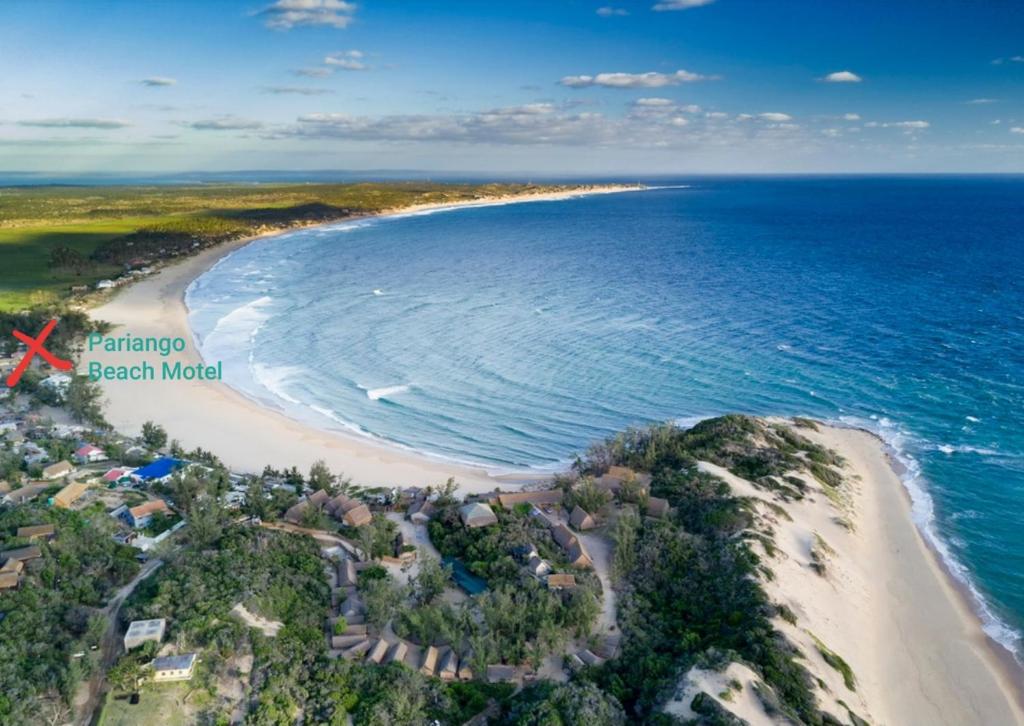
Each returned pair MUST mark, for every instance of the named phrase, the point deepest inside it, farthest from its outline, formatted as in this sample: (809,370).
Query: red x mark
(35,345)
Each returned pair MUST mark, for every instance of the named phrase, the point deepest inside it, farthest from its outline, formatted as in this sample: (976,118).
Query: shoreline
(216,417)
(1008,669)
(889,605)
(155,306)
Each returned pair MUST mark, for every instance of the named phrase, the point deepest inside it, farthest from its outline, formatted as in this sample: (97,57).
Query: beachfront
(910,636)
(246,435)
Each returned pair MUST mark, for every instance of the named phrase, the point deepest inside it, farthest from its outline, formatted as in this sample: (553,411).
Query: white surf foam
(234,333)
(898,444)
(375,394)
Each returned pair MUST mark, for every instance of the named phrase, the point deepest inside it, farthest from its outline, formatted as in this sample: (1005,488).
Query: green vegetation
(551,704)
(689,585)
(840,665)
(56,238)
(522,620)
(54,615)
(280,576)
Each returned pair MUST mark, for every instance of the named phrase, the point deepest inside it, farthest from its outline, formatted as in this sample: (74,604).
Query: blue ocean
(513,335)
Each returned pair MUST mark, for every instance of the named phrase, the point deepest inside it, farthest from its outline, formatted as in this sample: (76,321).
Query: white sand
(245,435)
(884,604)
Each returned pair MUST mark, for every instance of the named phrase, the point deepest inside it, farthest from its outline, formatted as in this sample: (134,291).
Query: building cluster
(345,509)
(169,667)
(14,561)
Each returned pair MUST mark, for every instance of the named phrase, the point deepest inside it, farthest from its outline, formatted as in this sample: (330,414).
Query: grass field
(108,225)
(160,704)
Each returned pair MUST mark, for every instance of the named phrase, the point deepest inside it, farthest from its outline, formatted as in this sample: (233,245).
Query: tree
(186,488)
(587,495)
(547,704)
(205,522)
(256,504)
(320,477)
(83,401)
(69,258)
(446,493)
(154,435)
(624,535)
(125,675)
(382,598)
(431,581)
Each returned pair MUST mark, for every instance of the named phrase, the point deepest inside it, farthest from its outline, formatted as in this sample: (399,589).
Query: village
(55,463)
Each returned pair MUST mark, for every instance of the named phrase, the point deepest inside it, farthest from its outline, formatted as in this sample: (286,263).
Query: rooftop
(174,662)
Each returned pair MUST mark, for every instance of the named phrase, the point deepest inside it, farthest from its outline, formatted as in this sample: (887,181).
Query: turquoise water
(514,335)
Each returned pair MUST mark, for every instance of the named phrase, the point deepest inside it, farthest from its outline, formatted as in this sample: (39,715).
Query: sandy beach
(245,435)
(886,605)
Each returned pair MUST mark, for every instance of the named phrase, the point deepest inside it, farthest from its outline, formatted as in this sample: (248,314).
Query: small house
(56,471)
(581,520)
(537,566)
(429,662)
(449,666)
(140,516)
(396,653)
(118,475)
(358,516)
(377,652)
(90,454)
(174,667)
(545,498)
(476,515)
(499,673)
(420,512)
(70,494)
(9,580)
(37,531)
(22,554)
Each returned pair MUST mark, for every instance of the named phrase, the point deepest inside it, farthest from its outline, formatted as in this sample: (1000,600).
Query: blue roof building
(159,470)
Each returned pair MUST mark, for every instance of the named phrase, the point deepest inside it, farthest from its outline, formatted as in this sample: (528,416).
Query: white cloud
(287,14)
(349,60)
(158,81)
(777,117)
(842,77)
(296,90)
(1017,130)
(75,123)
(981,101)
(832,133)
(851,117)
(312,72)
(224,123)
(679,121)
(633,80)
(680,4)
(910,125)
(654,102)
(608,12)
(717,114)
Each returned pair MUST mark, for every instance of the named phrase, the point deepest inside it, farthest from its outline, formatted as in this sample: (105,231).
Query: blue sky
(556,87)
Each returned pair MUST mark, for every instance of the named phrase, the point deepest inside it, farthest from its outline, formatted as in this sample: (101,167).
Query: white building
(174,667)
(143,631)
